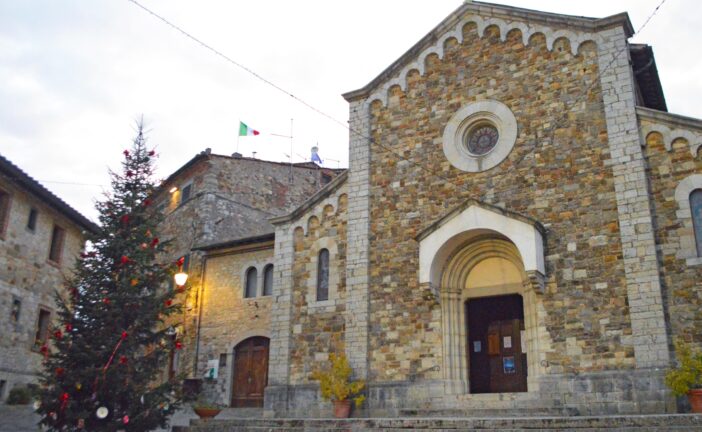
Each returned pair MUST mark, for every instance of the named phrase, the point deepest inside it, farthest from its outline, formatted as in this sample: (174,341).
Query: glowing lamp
(180,278)
(173,189)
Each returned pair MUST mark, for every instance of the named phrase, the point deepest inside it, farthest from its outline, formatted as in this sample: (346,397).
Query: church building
(519,231)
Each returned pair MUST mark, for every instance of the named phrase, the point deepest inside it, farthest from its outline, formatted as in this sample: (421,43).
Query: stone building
(216,216)
(519,231)
(40,238)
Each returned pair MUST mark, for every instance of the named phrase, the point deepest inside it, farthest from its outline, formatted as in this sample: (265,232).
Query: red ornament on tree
(152,152)
(58,335)
(147,202)
(126,153)
(129,173)
(69,327)
(124,335)
(106,300)
(59,371)
(168,302)
(178,344)
(154,242)
(123,360)
(124,219)
(124,260)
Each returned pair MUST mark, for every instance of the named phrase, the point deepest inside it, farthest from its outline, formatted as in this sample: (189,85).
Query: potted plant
(686,378)
(205,408)
(335,385)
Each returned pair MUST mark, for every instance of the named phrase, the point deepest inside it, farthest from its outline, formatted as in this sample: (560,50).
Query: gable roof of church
(321,194)
(506,13)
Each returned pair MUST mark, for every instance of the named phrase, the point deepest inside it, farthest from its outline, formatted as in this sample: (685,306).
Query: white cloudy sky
(75,74)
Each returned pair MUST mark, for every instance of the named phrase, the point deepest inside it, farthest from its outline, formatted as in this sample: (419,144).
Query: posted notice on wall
(477,346)
(507,342)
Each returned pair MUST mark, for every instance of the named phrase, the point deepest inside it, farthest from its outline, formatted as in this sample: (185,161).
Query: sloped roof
(14,174)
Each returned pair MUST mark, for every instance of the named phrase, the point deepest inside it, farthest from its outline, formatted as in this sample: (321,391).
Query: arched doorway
(488,308)
(250,372)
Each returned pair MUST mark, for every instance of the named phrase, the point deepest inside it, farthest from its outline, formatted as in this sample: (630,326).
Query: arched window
(696,208)
(323,275)
(268,280)
(251,280)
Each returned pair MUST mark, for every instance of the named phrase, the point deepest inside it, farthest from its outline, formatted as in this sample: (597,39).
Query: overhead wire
(370,139)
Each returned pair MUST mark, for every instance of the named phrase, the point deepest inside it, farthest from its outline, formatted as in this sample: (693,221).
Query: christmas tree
(104,362)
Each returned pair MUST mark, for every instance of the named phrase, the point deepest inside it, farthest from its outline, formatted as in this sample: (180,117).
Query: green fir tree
(105,359)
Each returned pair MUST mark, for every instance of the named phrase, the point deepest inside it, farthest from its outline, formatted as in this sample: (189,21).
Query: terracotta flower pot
(206,413)
(695,398)
(342,409)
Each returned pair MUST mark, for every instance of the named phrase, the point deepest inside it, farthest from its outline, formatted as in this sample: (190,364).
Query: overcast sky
(75,74)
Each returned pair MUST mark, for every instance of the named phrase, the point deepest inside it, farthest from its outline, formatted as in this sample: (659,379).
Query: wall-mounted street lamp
(181,277)
(173,189)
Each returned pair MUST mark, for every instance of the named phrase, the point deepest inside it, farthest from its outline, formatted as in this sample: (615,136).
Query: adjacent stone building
(40,238)
(519,231)
(216,216)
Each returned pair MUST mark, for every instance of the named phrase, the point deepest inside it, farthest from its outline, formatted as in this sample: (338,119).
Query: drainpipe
(199,303)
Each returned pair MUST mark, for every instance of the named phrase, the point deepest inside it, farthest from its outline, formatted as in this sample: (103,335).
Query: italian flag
(246,131)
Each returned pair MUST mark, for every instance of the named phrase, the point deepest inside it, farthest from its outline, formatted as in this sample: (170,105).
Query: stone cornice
(669,118)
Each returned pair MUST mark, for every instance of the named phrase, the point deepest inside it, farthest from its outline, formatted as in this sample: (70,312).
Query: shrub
(335,384)
(19,396)
(688,375)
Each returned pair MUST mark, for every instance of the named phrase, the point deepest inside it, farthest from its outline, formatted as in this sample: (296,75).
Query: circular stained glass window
(482,139)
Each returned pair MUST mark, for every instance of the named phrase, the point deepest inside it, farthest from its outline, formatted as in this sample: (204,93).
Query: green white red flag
(244,130)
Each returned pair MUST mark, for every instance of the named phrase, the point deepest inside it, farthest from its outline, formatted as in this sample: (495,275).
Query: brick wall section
(26,274)
(633,203)
(318,328)
(681,281)
(227,317)
(564,184)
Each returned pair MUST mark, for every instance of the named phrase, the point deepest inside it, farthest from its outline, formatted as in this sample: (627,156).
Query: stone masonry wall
(670,164)
(230,198)
(556,174)
(318,327)
(227,317)
(26,274)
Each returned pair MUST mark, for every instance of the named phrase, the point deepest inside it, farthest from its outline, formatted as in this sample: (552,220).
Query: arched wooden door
(250,372)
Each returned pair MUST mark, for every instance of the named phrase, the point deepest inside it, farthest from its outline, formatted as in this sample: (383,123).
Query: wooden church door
(250,372)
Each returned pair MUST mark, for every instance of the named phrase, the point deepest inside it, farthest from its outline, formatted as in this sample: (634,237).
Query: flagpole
(238,136)
(291,150)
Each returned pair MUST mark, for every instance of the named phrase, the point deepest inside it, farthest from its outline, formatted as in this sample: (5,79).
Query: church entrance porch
(496,355)
(250,372)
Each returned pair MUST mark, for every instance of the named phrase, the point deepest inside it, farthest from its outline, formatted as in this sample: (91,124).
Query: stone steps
(633,423)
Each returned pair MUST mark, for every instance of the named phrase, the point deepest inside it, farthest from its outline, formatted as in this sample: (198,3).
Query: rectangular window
(57,238)
(15,311)
(4,211)
(32,219)
(185,193)
(42,327)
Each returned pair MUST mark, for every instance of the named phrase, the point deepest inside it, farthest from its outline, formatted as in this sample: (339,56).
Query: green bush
(688,374)
(19,396)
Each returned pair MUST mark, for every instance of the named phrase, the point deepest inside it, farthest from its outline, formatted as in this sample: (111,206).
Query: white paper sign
(507,341)
(477,346)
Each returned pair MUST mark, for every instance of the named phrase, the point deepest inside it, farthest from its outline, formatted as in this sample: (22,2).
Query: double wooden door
(250,372)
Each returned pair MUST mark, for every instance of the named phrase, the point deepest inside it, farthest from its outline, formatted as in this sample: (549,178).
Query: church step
(639,423)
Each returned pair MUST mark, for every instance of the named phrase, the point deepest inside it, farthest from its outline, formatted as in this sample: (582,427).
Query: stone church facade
(516,233)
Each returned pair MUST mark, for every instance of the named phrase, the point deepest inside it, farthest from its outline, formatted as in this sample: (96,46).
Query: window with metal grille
(323,275)
(696,208)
